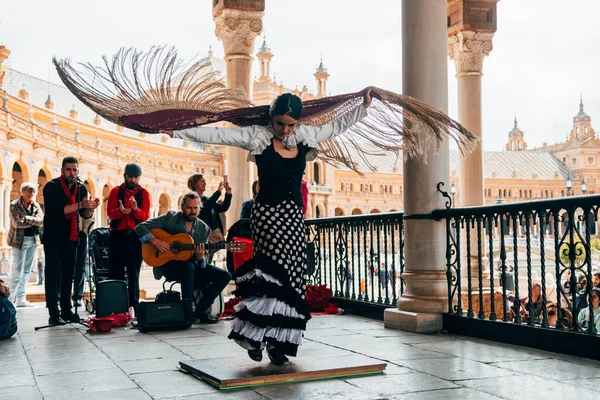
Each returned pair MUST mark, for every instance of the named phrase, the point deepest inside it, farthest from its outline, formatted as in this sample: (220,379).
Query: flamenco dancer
(280,140)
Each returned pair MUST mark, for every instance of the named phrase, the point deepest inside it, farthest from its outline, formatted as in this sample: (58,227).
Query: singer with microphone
(65,199)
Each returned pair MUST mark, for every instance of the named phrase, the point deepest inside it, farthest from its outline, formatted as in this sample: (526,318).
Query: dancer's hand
(167,132)
(4,290)
(221,186)
(227,188)
(367,99)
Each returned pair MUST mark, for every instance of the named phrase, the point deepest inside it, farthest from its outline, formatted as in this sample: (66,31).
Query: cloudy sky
(545,51)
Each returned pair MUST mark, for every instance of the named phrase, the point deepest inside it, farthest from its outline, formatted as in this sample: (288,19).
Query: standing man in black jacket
(65,198)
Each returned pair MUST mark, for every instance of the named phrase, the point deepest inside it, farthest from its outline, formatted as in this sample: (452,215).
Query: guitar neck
(207,246)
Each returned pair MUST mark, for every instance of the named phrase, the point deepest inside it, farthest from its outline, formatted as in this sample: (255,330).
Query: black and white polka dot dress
(273,283)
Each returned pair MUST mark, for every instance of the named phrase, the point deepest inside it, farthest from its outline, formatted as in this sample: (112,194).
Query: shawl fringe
(156,91)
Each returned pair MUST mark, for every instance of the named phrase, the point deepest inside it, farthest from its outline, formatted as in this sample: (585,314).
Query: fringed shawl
(156,91)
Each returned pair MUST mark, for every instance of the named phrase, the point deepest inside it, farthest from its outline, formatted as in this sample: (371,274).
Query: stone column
(7,190)
(467,49)
(237,25)
(425,77)
(469,41)
(3,209)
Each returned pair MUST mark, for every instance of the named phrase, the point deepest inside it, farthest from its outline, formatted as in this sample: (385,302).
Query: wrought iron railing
(494,275)
(359,257)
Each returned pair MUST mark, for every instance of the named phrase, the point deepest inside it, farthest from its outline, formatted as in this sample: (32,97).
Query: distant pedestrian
(40,269)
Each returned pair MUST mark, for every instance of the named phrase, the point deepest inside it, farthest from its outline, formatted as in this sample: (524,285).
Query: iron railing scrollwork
(496,272)
(359,257)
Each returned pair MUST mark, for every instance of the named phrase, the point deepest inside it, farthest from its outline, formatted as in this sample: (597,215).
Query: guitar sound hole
(176,247)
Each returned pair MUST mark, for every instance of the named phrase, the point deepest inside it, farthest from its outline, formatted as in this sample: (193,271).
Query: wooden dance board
(237,373)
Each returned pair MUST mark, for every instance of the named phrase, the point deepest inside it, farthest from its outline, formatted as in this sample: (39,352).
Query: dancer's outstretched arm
(338,125)
(238,137)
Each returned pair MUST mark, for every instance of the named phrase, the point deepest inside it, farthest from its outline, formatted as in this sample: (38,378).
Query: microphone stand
(74,317)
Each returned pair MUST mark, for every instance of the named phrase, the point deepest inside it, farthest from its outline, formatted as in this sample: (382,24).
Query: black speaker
(111,297)
(153,316)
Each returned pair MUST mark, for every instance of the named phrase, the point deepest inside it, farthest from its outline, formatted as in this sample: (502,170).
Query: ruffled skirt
(274,312)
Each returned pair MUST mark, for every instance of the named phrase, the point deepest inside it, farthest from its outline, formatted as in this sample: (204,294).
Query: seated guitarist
(195,270)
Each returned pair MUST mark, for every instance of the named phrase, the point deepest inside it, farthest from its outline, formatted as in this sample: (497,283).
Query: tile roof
(503,164)
(64,100)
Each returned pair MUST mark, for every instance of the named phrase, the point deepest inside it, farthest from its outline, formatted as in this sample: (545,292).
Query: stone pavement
(68,363)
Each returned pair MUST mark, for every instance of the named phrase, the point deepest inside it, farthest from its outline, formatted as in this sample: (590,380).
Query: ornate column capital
(237,30)
(467,49)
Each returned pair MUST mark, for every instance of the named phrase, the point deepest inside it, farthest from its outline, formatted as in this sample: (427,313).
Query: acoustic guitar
(181,248)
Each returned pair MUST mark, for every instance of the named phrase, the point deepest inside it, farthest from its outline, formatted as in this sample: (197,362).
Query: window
(316,174)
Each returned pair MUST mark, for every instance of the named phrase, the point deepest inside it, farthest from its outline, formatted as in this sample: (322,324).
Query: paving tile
(456,368)
(382,331)
(34,341)
(139,351)
(29,392)
(129,394)
(137,338)
(84,382)
(212,351)
(551,368)
(321,390)
(62,353)
(355,342)
(166,384)
(320,333)
(213,339)
(401,352)
(518,388)
(395,369)
(389,385)
(445,394)
(590,383)
(131,367)
(81,363)
(247,394)
(16,377)
(222,328)
(482,351)
(193,331)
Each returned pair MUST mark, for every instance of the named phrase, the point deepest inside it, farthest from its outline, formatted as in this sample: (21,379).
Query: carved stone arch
(320,210)
(20,172)
(43,176)
(104,220)
(338,212)
(91,187)
(375,211)
(3,167)
(164,203)
(357,211)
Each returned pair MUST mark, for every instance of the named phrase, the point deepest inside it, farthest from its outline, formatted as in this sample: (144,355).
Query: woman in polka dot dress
(273,283)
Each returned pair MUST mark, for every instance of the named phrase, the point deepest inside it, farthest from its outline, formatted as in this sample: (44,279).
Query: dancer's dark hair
(286,104)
